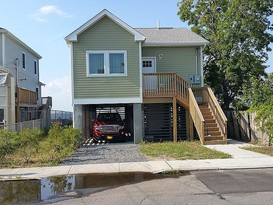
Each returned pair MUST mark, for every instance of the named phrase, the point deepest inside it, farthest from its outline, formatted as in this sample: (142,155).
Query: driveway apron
(106,153)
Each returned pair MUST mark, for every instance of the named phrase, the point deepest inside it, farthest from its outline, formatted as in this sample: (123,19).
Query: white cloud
(41,13)
(60,91)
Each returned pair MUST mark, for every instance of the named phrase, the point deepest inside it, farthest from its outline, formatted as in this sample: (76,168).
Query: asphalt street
(252,186)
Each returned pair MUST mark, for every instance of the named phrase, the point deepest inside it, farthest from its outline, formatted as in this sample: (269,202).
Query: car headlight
(98,128)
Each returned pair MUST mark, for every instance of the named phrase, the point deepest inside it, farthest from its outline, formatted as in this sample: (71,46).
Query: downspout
(3,50)
(196,61)
(201,66)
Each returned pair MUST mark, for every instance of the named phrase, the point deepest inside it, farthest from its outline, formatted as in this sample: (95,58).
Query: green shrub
(61,142)
(29,143)
(8,143)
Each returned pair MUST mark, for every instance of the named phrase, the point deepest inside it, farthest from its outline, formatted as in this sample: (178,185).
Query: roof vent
(158,24)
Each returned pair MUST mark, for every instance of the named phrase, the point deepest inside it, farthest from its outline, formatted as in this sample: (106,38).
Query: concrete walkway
(242,159)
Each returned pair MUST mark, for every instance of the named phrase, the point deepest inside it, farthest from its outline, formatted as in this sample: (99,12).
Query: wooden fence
(242,127)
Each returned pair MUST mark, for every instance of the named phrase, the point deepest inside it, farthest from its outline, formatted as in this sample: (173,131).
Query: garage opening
(94,111)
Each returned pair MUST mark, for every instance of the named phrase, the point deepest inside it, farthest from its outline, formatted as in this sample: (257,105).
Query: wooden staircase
(208,117)
(212,131)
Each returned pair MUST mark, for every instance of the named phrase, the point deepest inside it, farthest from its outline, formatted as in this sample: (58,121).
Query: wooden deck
(169,87)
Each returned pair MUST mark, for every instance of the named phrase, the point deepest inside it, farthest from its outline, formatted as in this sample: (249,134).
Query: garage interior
(157,120)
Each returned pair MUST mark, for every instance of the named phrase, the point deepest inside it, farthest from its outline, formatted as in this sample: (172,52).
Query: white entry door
(149,66)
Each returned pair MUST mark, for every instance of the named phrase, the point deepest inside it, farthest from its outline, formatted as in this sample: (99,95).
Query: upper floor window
(106,63)
(35,67)
(23,60)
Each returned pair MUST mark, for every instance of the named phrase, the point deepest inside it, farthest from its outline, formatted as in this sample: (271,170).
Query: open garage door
(93,112)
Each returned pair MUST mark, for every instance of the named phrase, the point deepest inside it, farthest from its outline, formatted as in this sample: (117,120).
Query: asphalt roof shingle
(180,36)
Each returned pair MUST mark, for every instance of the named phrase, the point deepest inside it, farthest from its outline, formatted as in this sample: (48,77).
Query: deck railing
(206,95)
(165,85)
(26,96)
(197,116)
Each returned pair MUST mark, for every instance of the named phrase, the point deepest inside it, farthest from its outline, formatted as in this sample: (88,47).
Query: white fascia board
(74,35)
(94,101)
(21,43)
(71,50)
(140,71)
(158,44)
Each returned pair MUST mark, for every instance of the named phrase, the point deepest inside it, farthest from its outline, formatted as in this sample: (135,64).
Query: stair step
(213,142)
(210,121)
(208,117)
(205,110)
(208,125)
(211,138)
(211,129)
(213,133)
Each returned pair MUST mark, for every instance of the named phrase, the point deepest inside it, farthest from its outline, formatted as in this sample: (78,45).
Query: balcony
(26,97)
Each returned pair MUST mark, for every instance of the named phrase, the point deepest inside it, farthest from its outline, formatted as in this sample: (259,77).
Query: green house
(152,76)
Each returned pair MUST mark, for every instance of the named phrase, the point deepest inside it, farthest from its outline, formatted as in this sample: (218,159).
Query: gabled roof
(17,40)
(72,37)
(171,37)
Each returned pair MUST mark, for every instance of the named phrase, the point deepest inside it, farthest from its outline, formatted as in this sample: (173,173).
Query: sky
(43,24)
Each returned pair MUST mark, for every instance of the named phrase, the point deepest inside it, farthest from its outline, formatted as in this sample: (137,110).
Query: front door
(2,117)
(149,66)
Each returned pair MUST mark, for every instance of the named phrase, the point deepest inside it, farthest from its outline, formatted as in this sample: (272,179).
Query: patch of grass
(181,151)
(268,150)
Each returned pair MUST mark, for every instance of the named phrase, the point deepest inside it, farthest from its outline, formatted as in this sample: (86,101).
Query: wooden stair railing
(197,116)
(218,113)
(172,85)
(206,98)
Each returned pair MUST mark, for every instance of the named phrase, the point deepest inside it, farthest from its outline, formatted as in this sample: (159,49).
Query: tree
(259,96)
(239,40)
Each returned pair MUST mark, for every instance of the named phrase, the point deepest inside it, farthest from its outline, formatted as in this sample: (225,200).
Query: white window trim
(23,60)
(106,63)
(36,68)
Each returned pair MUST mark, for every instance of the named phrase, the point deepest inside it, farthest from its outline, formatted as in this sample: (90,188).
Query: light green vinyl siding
(175,60)
(106,35)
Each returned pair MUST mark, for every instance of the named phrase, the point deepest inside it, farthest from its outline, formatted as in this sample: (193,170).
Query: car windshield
(109,117)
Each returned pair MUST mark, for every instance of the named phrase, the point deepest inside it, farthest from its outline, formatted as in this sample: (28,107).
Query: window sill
(107,76)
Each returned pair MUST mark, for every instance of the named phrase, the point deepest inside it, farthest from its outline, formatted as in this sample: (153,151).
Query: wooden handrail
(166,85)
(217,112)
(212,96)
(182,93)
(159,84)
(197,116)
(206,95)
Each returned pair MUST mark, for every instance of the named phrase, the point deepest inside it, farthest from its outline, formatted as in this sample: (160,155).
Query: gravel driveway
(106,153)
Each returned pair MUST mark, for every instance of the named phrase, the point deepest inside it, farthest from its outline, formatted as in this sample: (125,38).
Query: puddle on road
(59,188)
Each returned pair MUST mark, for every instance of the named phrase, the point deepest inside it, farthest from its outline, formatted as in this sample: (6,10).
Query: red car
(109,127)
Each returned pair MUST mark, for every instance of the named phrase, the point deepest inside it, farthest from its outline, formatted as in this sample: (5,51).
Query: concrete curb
(150,166)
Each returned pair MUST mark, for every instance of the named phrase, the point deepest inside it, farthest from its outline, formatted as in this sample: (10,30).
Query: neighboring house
(152,76)
(20,96)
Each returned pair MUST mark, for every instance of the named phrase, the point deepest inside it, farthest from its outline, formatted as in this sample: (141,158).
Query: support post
(174,120)
(18,105)
(191,127)
(188,124)
(138,123)
(77,117)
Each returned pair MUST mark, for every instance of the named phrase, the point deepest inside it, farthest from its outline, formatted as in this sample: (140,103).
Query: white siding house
(20,64)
